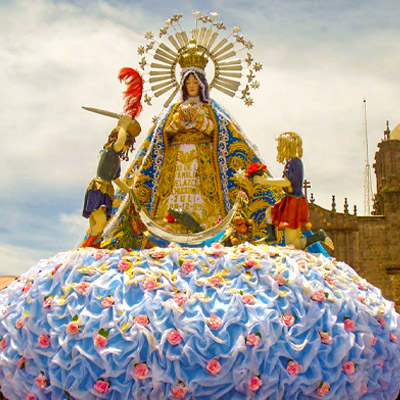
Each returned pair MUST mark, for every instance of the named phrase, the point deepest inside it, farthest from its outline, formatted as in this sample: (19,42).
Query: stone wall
(365,243)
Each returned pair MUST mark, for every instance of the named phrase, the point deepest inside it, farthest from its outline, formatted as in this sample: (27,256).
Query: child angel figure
(291,213)
(100,192)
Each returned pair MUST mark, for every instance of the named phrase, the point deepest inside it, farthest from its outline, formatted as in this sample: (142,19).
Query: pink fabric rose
(288,319)
(41,381)
(252,339)
(21,362)
(302,265)
(380,363)
(150,283)
(174,337)
(44,341)
(72,328)
(242,248)
(108,302)
(19,323)
(349,367)
(180,298)
(318,296)
(248,299)
(213,366)
(214,321)
(360,285)
(187,267)
(179,391)
(216,280)
(100,254)
(47,302)
(217,249)
(323,389)
(250,263)
(382,322)
(157,254)
(325,337)
(101,387)
(27,287)
(3,344)
(82,288)
(29,396)
(293,367)
(374,340)
(392,337)
(55,269)
(141,320)
(349,325)
(280,280)
(332,281)
(123,265)
(255,383)
(100,341)
(141,371)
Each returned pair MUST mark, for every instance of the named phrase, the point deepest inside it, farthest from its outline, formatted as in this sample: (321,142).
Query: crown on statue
(193,56)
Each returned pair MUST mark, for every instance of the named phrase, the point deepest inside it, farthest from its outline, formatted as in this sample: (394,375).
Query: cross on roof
(306,185)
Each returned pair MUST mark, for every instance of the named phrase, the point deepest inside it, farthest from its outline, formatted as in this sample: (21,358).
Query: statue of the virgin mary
(194,158)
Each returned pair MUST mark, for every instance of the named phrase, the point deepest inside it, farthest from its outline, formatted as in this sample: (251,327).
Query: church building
(371,244)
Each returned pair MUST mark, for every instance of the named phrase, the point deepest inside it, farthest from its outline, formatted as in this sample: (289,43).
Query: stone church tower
(371,244)
(387,170)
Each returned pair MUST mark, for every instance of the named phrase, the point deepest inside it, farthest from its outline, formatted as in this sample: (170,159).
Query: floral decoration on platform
(234,320)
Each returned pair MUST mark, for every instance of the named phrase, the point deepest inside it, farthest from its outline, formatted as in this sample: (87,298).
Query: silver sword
(103,112)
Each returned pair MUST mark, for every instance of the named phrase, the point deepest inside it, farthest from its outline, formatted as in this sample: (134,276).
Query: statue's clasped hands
(188,112)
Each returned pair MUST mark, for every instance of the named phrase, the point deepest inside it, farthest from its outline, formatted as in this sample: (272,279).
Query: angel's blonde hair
(290,146)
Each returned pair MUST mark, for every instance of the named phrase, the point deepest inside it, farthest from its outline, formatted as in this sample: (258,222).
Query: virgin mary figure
(191,158)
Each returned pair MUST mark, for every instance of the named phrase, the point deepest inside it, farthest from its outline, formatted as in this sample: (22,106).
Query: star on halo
(213,15)
(148,35)
(248,101)
(257,66)
(176,17)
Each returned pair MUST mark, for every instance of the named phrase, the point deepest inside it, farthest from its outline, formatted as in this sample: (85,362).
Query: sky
(320,60)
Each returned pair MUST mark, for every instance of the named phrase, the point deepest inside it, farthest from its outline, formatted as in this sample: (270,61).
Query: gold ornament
(193,56)
(195,49)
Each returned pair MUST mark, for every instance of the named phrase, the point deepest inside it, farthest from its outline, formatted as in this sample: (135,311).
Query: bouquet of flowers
(256,168)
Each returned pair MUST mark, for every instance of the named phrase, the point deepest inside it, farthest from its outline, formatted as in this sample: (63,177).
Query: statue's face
(192,86)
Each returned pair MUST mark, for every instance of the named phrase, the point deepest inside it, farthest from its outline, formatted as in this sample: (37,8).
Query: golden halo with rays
(234,67)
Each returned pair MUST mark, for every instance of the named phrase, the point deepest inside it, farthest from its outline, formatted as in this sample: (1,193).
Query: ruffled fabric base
(247,322)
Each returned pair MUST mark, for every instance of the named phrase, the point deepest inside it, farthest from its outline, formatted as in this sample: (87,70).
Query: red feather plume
(133,92)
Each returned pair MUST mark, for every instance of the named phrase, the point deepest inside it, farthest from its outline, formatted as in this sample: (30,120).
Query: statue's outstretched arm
(277,182)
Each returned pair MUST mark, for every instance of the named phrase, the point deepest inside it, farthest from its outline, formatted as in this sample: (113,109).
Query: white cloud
(14,260)
(74,224)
